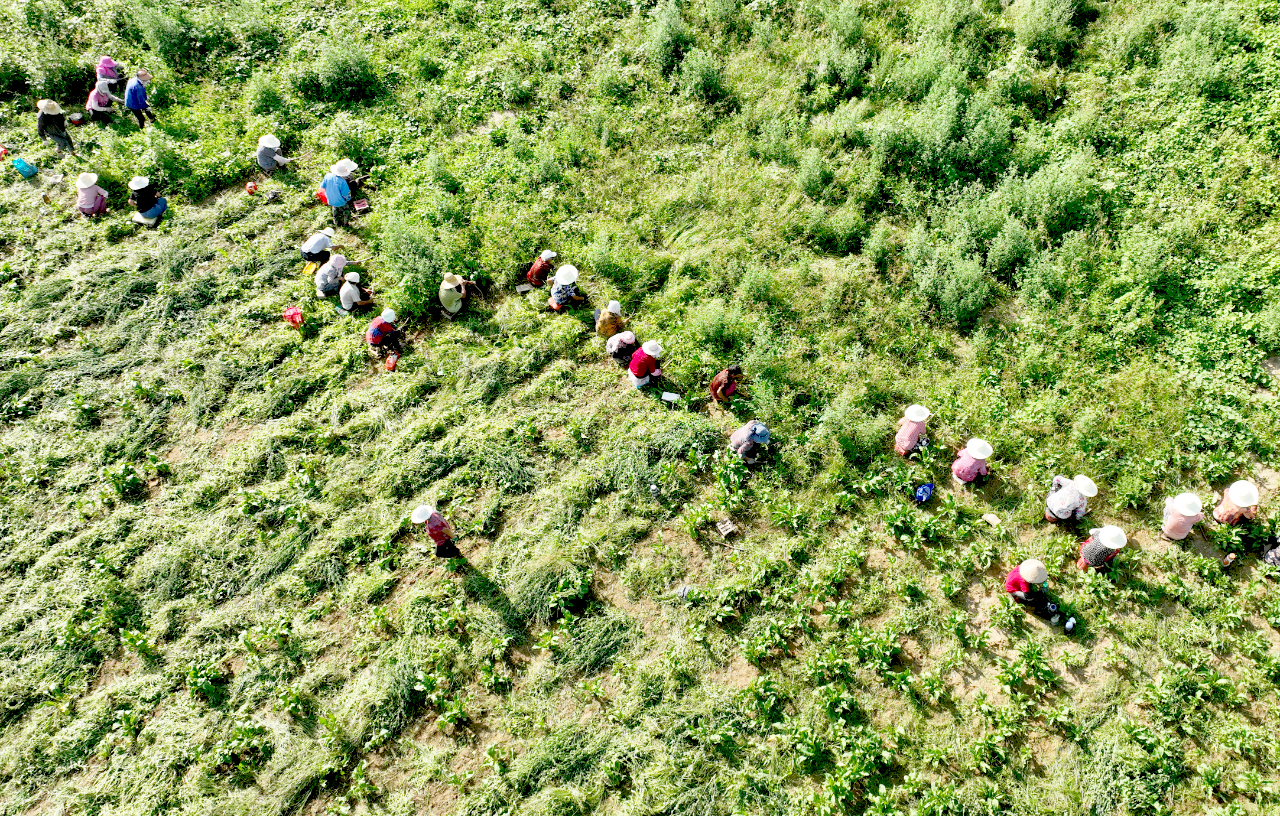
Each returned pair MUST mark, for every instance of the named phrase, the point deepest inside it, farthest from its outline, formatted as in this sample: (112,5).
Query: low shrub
(669,38)
(700,77)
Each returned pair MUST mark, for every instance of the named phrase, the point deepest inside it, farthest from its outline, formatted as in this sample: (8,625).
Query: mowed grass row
(1049,222)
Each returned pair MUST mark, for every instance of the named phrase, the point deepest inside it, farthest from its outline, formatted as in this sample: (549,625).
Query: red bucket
(293,316)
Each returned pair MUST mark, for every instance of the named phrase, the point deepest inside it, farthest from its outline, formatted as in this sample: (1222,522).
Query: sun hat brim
(917,413)
(979,448)
(1033,571)
(1112,536)
(1188,504)
(421,513)
(86,180)
(1086,486)
(1243,494)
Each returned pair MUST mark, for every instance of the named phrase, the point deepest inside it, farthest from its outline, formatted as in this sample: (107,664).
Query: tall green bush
(669,38)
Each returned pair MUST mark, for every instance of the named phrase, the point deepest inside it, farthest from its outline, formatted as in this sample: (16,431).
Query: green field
(1050,221)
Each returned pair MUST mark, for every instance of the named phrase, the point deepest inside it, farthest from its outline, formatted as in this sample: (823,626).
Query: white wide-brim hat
(344,167)
(421,513)
(328,231)
(1033,571)
(1086,486)
(615,307)
(653,348)
(547,255)
(351,277)
(1112,536)
(268,140)
(338,261)
(102,85)
(1243,493)
(388,315)
(1188,504)
(451,279)
(138,182)
(567,274)
(86,180)
(49,106)
(979,448)
(917,413)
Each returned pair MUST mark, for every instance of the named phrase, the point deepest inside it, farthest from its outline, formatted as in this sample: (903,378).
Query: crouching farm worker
(149,204)
(316,248)
(610,321)
(51,125)
(1026,583)
(109,70)
(621,347)
(90,198)
(135,98)
(727,383)
(383,336)
(1068,498)
(541,268)
(329,277)
(335,189)
(352,296)
(99,103)
(269,156)
(564,289)
(1181,513)
(439,530)
(1100,548)
(749,440)
(644,363)
(911,428)
(971,461)
(1239,502)
(453,293)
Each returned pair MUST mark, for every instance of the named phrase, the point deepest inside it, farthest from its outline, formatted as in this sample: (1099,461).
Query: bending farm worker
(453,293)
(335,188)
(621,347)
(748,440)
(610,321)
(382,334)
(1026,583)
(1100,547)
(910,434)
(269,156)
(90,198)
(1239,502)
(971,461)
(439,530)
(135,98)
(329,277)
(316,248)
(1068,498)
(541,268)
(51,125)
(564,289)
(150,204)
(727,383)
(109,70)
(1181,513)
(99,103)
(352,296)
(644,363)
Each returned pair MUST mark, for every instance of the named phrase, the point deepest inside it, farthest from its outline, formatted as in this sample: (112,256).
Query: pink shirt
(86,197)
(1014,582)
(1176,525)
(966,468)
(909,434)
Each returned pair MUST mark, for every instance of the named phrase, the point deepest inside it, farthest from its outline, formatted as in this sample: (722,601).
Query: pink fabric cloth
(1014,582)
(91,199)
(966,468)
(909,434)
(1176,525)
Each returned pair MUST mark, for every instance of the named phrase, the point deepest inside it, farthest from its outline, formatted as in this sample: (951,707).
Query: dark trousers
(1037,601)
(137,114)
(321,257)
(390,343)
(100,116)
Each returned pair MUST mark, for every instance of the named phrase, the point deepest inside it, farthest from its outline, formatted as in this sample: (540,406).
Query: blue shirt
(336,190)
(135,95)
(563,293)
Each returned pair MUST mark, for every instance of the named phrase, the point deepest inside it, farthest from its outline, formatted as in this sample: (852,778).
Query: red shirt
(538,272)
(722,387)
(1016,583)
(438,529)
(378,330)
(642,365)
